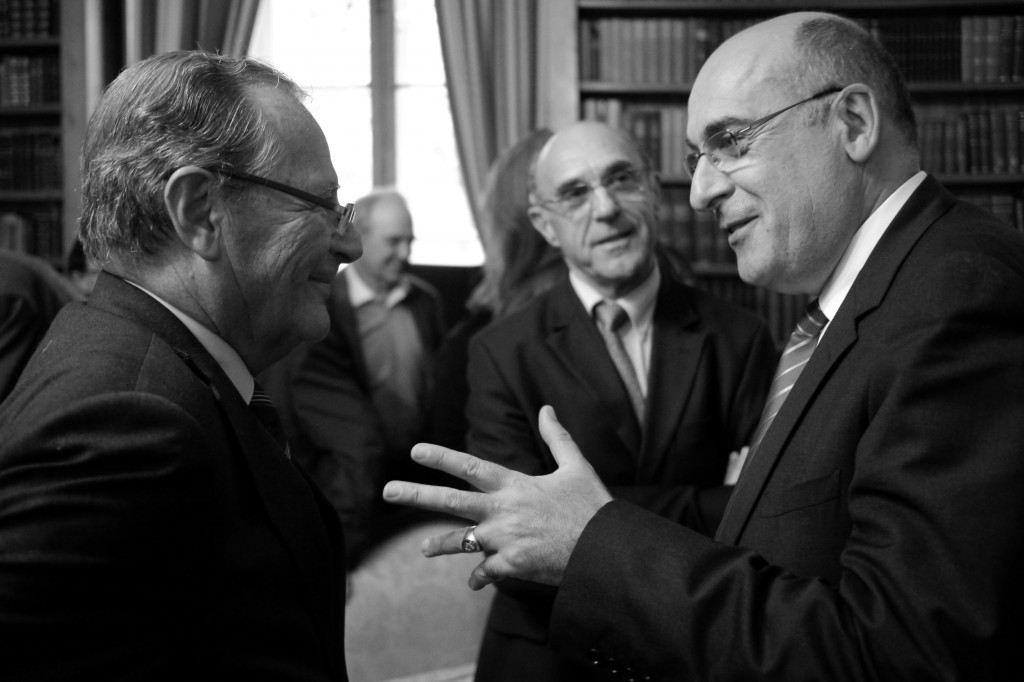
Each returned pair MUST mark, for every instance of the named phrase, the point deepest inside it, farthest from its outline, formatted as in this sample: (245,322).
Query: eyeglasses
(346,213)
(727,146)
(622,184)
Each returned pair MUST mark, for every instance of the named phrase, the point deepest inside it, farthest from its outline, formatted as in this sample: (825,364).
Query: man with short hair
(152,524)
(875,531)
(360,396)
(659,399)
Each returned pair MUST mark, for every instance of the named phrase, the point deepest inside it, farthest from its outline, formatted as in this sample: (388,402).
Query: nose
(709,186)
(346,243)
(603,203)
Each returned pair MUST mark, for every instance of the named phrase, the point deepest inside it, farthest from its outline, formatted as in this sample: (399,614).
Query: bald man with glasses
(875,531)
(661,396)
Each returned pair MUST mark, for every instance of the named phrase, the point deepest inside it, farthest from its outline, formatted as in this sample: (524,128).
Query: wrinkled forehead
(583,153)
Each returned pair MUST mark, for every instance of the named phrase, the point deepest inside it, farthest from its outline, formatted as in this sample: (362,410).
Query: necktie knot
(611,316)
(810,324)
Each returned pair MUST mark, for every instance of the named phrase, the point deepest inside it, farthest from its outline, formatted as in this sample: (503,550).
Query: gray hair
(171,110)
(839,52)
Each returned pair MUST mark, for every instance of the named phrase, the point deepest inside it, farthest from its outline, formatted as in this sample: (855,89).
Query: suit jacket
(341,435)
(711,364)
(876,534)
(150,529)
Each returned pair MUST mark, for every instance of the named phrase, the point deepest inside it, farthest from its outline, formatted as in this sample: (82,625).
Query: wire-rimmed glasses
(727,146)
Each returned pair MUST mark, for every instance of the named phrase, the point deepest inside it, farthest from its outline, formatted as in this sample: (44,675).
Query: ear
(860,119)
(196,217)
(541,224)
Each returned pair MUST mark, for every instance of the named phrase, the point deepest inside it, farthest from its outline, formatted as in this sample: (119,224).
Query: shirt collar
(638,303)
(360,293)
(222,353)
(861,246)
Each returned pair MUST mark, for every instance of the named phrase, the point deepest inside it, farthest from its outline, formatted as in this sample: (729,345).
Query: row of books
(651,51)
(659,129)
(971,139)
(29,18)
(934,48)
(36,231)
(690,233)
(30,160)
(29,80)
(947,48)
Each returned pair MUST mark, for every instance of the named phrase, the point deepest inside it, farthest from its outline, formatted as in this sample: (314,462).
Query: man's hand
(527,525)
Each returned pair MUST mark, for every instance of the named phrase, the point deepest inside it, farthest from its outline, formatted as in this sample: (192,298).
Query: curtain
(490,50)
(156,26)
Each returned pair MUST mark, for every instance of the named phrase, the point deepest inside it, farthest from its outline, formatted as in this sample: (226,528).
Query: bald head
(593,198)
(811,130)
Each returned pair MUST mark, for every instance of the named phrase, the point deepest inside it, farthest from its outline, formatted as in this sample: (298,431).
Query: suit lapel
(287,498)
(926,205)
(675,356)
(575,341)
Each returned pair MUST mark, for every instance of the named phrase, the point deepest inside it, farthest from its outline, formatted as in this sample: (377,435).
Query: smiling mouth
(736,225)
(616,237)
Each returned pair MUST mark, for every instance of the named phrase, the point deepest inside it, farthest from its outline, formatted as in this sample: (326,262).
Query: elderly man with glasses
(152,523)
(660,392)
(875,531)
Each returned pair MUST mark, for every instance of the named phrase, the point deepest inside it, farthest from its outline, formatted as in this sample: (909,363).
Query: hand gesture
(527,526)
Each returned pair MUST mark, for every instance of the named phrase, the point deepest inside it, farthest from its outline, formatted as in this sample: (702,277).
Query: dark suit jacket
(878,533)
(711,364)
(340,432)
(149,527)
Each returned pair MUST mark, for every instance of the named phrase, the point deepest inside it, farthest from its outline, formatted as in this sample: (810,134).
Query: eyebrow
(615,167)
(718,125)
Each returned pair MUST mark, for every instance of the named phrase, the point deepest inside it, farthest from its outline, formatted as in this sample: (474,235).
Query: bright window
(326,46)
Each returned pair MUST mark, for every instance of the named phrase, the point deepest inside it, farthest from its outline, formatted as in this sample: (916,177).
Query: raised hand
(527,526)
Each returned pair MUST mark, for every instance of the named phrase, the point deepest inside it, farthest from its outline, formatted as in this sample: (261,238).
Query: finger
(449,542)
(479,473)
(558,439)
(487,572)
(464,503)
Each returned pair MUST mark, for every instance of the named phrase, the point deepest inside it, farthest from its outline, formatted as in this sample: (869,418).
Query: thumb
(558,439)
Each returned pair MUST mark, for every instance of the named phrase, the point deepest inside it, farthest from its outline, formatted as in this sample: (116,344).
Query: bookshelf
(43,103)
(631,62)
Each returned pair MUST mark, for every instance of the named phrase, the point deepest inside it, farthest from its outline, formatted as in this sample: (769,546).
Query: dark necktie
(798,351)
(263,407)
(610,319)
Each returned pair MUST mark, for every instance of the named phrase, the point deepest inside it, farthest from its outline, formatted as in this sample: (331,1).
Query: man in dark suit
(875,532)
(702,367)
(152,526)
(359,397)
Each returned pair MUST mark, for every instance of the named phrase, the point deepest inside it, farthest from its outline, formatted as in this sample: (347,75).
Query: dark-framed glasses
(622,184)
(726,147)
(346,212)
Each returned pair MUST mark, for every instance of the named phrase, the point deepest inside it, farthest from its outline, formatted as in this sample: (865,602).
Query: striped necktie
(611,318)
(796,354)
(263,407)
